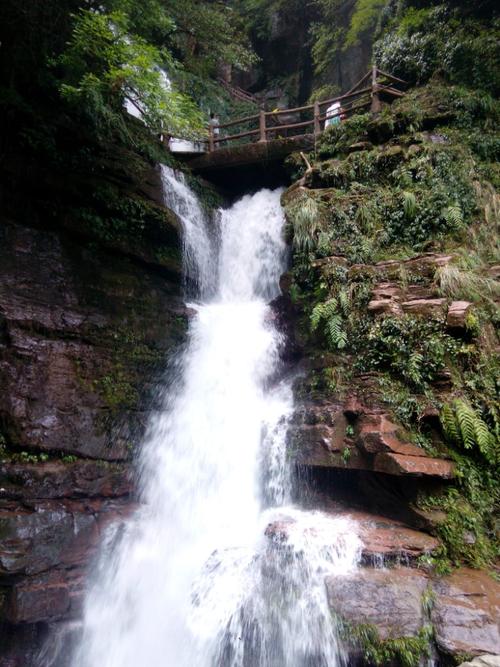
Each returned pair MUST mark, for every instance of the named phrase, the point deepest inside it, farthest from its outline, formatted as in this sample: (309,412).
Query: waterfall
(217,568)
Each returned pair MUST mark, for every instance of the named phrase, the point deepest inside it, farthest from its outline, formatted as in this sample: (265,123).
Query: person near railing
(334,115)
(214,122)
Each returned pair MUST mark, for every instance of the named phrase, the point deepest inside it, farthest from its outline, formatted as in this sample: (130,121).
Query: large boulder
(466,613)
(390,600)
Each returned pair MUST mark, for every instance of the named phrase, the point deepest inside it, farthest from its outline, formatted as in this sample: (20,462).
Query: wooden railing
(369,93)
(238,93)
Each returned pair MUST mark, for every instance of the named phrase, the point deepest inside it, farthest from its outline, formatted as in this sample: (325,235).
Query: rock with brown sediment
(466,613)
(458,311)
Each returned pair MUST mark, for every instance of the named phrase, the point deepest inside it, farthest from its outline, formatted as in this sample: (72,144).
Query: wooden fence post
(317,124)
(262,125)
(211,145)
(376,106)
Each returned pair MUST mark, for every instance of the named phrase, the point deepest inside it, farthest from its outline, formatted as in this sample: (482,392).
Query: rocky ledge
(393,595)
(350,435)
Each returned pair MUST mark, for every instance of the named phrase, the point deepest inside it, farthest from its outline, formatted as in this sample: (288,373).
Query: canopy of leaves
(105,65)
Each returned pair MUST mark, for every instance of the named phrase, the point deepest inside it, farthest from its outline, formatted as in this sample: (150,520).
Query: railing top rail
(340,98)
(391,76)
(230,123)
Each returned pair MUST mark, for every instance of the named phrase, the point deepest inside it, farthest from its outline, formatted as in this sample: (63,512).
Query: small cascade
(217,568)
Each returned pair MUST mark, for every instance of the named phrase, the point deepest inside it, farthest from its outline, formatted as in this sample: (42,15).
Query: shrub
(408,348)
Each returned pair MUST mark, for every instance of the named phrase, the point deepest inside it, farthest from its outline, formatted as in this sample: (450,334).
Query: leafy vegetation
(418,41)
(404,651)
(416,183)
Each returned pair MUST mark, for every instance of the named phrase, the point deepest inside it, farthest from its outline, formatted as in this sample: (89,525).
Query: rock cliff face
(87,326)
(380,333)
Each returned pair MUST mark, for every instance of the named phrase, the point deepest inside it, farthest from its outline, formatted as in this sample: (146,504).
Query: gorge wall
(88,321)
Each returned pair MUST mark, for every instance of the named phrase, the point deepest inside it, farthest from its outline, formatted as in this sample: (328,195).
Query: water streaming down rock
(217,569)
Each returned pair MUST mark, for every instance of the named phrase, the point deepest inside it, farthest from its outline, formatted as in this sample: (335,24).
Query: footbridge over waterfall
(241,148)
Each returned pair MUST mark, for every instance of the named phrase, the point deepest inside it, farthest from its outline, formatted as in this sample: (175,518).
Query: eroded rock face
(398,599)
(49,536)
(81,335)
(336,435)
(391,600)
(463,609)
(86,329)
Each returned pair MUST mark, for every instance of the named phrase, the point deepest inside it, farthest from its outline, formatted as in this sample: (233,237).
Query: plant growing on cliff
(106,65)
(329,313)
(404,651)
(304,215)
(463,426)
(407,347)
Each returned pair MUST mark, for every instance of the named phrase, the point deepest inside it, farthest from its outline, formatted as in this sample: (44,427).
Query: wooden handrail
(347,96)
(391,76)
(362,80)
(240,135)
(369,96)
(238,121)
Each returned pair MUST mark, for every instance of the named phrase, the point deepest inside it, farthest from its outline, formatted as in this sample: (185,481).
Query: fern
(323,311)
(449,424)
(453,216)
(317,315)
(344,301)
(462,425)
(327,312)
(336,334)
(414,366)
(465,417)
(409,205)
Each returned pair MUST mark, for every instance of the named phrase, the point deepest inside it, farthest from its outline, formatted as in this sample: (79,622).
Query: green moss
(116,390)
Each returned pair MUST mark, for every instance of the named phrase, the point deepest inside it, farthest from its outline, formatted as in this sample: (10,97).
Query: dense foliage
(384,196)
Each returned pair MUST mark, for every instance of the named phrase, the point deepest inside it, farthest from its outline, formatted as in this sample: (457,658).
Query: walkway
(272,135)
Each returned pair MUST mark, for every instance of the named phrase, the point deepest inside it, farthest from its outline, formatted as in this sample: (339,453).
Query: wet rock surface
(391,593)
(81,343)
(466,613)
(86,328)
(389,599)
(329,434)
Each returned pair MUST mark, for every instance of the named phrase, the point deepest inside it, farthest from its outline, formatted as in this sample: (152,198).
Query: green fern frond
(344,301)
(462,425)
(449,424)
(331,307)
(486,441)
(453,216)
(466,417)
(336,334)
(414,367)
(323,311)
(317,315)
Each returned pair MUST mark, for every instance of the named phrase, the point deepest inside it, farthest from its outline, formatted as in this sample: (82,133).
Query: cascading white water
(195,579)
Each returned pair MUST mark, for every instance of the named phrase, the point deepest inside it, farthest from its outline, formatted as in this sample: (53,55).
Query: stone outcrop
(399,599)
(389,599)
(483,661)
(462,608)
(322,435)
(52,517)
(466,612)
(79,343)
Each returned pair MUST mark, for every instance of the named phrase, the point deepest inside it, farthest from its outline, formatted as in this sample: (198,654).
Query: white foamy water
(217,569)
